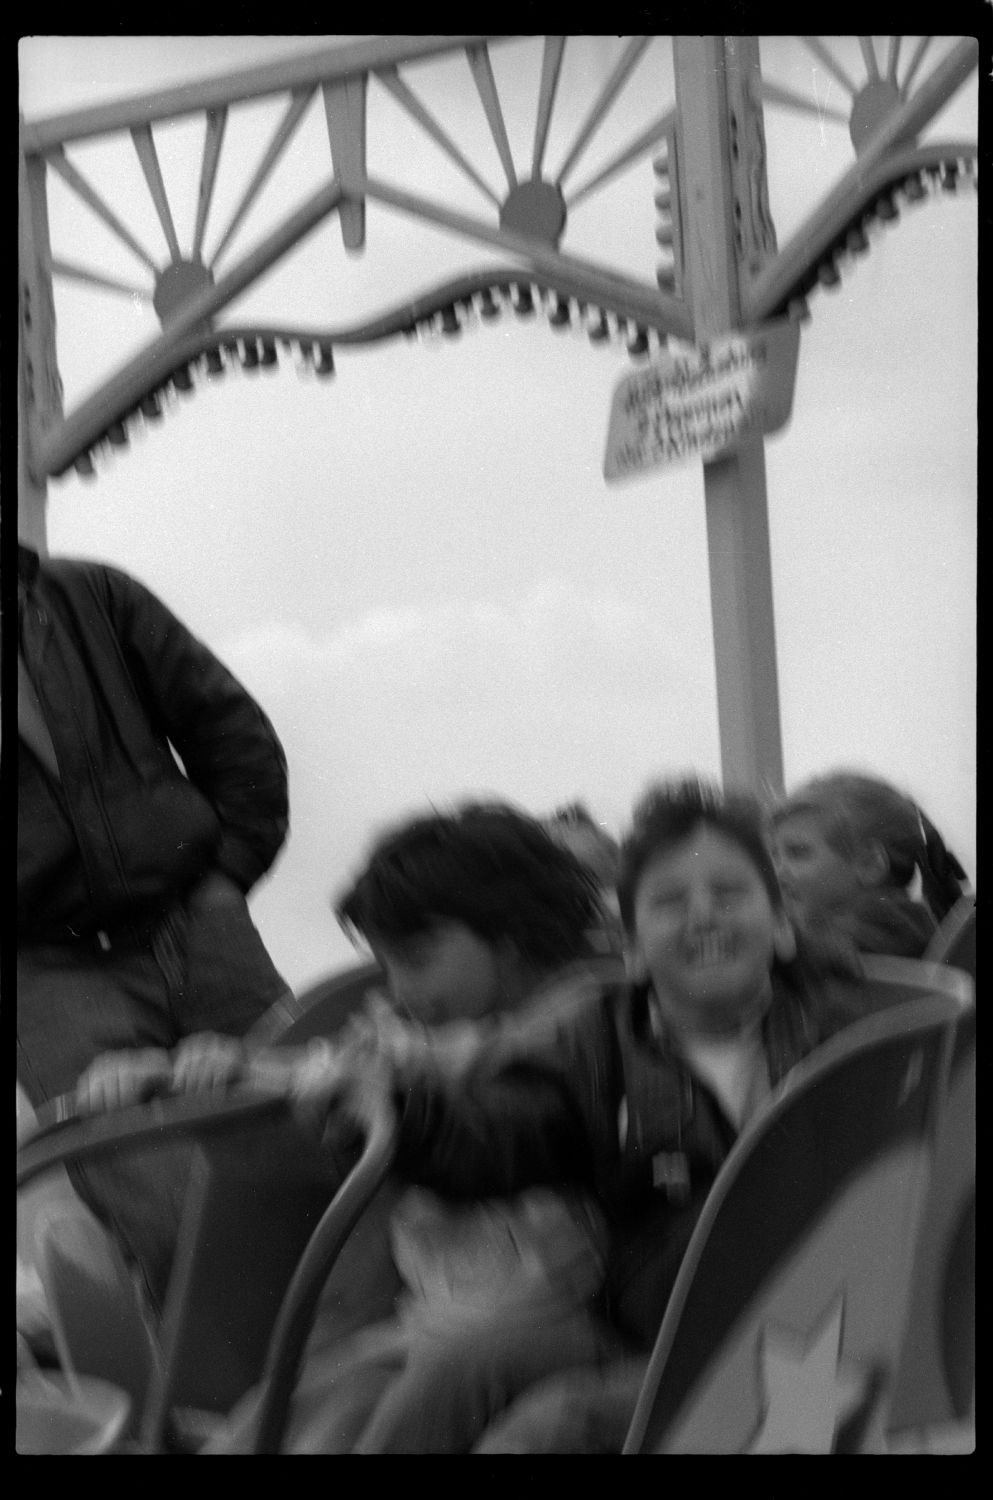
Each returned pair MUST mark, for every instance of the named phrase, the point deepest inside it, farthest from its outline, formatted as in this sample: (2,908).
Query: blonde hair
(854,809)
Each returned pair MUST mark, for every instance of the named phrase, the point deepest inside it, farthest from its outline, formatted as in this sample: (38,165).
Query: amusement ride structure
(720,268)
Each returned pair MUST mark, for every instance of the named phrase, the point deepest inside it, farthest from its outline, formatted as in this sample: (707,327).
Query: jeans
(205,968)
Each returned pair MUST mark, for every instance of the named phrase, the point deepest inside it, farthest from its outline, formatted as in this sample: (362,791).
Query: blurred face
(444,973)
(706,933)
(815,878)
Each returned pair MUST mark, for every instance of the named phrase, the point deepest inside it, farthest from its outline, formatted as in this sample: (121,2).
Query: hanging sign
(704,402)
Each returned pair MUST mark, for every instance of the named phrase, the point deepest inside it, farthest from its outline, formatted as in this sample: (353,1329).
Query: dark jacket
(887,920)
(553,1115)
(124,831)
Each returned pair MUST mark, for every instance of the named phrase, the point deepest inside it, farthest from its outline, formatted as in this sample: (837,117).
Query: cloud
(539,699)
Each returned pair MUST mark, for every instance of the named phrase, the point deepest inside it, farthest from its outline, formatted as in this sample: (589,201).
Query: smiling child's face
(706,932)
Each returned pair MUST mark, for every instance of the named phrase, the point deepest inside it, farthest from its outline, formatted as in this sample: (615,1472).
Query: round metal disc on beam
(536,209)
(177,284)
(873,105)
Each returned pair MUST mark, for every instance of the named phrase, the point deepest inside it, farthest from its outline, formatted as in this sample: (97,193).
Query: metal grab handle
(296,1314)
(65,1134)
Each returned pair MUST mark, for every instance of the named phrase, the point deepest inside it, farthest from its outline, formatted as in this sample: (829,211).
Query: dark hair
(573,825)
(484,864)
(668,812)
(854,808)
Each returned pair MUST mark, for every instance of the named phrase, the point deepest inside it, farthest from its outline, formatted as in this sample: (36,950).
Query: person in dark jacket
(639,1098)
(152,796)
(857,859)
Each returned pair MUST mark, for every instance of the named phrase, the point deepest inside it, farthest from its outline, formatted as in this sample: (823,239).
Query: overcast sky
(418,567)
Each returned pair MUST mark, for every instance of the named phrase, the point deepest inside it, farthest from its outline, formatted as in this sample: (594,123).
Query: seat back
(786,1321)
(97,1323)
(91,1276)
(254,1200)
(320,1009)
(954,943)
(257,1191)
(935,1383)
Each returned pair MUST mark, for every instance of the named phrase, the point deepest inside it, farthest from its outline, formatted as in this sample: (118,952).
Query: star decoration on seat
(809,1388)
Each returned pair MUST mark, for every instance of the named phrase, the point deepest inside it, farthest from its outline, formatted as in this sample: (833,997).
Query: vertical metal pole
(39,392)
(723,226)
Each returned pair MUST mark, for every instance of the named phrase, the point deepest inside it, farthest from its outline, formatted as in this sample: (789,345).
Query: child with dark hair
(638,1097)
(486,868)
(857,858)
(478,920)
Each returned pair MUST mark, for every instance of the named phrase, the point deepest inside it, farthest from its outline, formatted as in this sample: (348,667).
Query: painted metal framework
(720,267)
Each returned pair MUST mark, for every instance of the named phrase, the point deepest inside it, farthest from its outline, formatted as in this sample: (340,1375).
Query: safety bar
(325,1245)
(63,1133)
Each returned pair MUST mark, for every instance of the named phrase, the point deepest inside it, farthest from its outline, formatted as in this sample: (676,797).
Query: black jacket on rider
(164,765)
